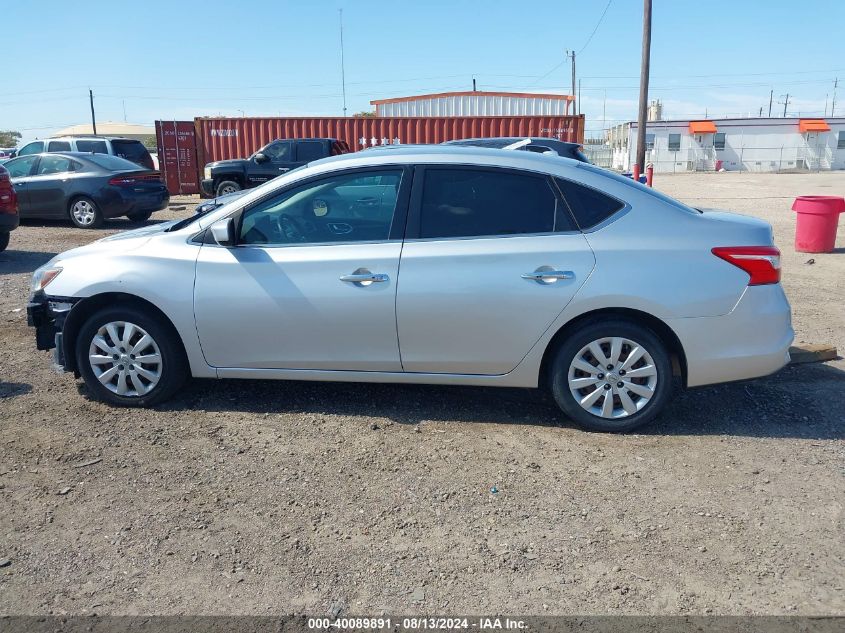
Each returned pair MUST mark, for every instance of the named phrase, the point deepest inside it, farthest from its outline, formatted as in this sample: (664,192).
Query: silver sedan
(442,265)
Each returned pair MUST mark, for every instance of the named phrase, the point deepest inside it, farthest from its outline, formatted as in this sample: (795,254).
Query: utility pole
(342,70)
(571,56)
(785,103)
(833,102)
(579,96)
(771,94)
(93,118)
(124,110)
(644,70)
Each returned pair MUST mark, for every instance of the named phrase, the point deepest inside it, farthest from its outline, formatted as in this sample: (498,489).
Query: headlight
(207,173)
(43,276)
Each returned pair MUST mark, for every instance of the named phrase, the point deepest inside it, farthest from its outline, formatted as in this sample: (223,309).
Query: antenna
(342,70)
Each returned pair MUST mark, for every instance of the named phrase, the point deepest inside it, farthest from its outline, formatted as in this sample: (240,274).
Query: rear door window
(58,146)
(306,151)
(474,203)
(96,147)
(589,206)
(55,165)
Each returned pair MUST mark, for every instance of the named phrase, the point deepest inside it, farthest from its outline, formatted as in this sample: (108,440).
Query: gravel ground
(273,497)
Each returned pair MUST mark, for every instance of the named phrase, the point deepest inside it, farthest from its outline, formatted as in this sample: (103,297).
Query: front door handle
(363,277)
(548,275)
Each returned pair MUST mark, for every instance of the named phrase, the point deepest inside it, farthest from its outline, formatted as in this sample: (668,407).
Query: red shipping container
(223,138)
(177,156)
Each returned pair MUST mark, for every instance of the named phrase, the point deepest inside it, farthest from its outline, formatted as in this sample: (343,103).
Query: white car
(443,265)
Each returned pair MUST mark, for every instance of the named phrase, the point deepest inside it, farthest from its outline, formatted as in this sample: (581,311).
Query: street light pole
(644,70)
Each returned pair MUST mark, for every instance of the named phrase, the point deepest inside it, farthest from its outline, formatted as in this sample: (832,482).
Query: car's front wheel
(612,376)
(226,187)
(85,213)
(4,240)
(130,358)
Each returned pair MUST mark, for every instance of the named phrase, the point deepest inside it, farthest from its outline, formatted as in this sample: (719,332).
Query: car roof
(513,139)
(91,136)
(85,156)
(449,154)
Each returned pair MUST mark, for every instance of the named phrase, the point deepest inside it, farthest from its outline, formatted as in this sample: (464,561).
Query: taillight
(762,263)
(8,198)
(129,181)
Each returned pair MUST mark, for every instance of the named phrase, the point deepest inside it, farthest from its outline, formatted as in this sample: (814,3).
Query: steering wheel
(291,229)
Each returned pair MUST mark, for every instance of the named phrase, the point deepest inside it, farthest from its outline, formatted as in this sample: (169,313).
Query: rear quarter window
(131,150)
(589,206)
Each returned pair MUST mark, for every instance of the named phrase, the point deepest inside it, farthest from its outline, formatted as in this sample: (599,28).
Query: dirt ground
(273,497)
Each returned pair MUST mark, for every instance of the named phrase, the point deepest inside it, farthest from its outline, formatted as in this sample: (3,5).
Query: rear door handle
(547,275)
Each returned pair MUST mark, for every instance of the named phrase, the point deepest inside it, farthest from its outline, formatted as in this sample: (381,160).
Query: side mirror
(223,232)
(260,157)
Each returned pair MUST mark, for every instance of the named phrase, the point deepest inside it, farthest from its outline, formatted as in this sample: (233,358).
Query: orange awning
(813,125)
(702,127)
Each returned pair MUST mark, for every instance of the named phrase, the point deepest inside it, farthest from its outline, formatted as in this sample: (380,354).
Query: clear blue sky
(185,58)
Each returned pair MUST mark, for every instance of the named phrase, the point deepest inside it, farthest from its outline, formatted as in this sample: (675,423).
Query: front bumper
(751,341)
(207,186)
(47,315)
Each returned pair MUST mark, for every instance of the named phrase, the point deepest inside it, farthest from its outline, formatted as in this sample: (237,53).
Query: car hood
(234,162)
(123,242)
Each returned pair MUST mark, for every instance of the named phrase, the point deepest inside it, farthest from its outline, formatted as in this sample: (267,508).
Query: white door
(493,260)
(311,283)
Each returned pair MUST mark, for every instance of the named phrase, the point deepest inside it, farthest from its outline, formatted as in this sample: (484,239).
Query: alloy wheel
(83,212)
(612,377)
(125,359)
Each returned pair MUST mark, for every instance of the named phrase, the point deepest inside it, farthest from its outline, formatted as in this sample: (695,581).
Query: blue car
(85,188)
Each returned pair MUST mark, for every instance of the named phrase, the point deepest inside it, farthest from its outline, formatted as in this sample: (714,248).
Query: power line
(598,24)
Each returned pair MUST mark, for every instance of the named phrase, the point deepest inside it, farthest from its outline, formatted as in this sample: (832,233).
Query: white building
(770,144)
(475,103)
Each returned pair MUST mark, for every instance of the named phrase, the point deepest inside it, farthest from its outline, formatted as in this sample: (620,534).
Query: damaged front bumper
(48,315)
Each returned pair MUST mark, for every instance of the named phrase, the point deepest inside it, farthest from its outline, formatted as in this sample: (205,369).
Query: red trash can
(719,165)
(818,218)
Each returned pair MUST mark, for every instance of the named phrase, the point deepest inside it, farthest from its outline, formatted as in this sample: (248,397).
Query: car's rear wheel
(227,186)
(612,375)
(139,216)
(130,358)
(85,213)
(4,240)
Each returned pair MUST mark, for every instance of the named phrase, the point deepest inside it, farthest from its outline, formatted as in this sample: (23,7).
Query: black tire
(648,409)
(173,369)
(4,240)
(139,216)
(76,215)
(227,186)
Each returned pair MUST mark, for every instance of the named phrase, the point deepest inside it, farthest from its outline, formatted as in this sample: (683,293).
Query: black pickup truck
(275,158)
